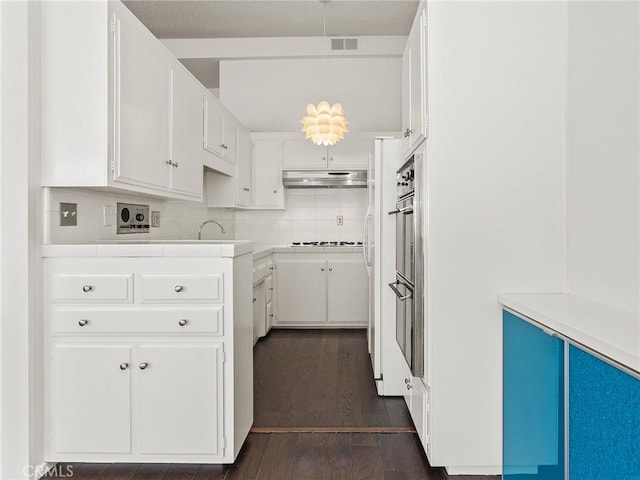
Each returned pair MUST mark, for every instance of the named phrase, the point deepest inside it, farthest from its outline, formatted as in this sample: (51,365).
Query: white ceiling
(266,18)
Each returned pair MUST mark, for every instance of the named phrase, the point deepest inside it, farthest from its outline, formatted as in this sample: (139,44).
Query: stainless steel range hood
(325,179)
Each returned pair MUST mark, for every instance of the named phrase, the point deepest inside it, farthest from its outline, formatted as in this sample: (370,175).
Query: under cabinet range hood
(324,179)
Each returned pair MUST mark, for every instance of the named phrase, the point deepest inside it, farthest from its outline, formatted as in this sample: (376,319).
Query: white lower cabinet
(179,397)
(91,393)
(164,375)
(259,311)
(321,289)
(417,399)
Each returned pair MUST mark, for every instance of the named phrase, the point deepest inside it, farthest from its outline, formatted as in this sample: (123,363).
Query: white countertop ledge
(603,329)
(152,248)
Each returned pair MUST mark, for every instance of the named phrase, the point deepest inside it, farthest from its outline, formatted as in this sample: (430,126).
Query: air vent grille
(344,44)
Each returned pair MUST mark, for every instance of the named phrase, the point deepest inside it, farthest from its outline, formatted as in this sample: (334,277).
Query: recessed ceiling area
(265,18)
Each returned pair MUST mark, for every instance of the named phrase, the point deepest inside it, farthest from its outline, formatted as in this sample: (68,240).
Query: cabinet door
(350,153)
(417,82)
(259,311)
(213,126)
(142,98)
(186,134)
(179,407)
(348,290)
(302,291)
(533,402)
(229,125)
(604,420)
(267,175)
(243,167)
(302,154)
(406,95)
(90,404)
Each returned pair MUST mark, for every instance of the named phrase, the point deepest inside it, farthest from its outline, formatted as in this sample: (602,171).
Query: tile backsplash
(178,219)
(311,215)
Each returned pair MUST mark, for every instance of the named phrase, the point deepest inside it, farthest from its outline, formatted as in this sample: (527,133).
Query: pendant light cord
(324,46)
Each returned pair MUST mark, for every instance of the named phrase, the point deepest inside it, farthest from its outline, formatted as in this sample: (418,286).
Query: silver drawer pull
(124,366)
(409,386)
(143,365)
(83,322)
(87,288)
(331,269)
(246,189)
(406,381)
(178,288)
(182,322)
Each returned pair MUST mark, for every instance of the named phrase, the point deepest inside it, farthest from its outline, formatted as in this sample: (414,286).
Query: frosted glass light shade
(324,124)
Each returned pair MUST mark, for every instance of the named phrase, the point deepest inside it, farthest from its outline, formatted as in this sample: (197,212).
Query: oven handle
(401,297)
(402,210)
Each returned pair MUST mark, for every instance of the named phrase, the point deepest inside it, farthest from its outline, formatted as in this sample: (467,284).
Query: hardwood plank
(320,456)
(151,471)
(277,460)
(364,440)
(404,458)
(181,471)
(367,462)
(119,471)
(247,465)
(89,471)
(212,472)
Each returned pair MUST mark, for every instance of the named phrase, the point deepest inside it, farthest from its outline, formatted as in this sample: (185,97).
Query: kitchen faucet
(209,221)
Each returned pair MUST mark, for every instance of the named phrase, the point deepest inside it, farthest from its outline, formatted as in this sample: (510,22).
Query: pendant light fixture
(324,124)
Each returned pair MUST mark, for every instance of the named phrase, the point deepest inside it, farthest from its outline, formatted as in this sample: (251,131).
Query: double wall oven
(409,282)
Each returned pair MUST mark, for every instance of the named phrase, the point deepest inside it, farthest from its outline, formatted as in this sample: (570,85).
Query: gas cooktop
(326,244)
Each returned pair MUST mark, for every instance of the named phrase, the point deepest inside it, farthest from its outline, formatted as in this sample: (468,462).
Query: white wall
(178,219)
(272,95)
(20,242)
(496,185)
(603,187)
(310,216)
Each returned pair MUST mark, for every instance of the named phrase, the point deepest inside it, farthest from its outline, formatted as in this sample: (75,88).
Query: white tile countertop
(605,330)
(152,248)
(264,250)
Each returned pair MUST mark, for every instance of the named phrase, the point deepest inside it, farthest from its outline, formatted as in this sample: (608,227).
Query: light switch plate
(68,214)
(155,218)
(340,220)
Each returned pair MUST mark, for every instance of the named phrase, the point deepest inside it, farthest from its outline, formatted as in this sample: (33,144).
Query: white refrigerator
(389,366)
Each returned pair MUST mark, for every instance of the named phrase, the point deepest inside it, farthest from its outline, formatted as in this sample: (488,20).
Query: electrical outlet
(340,220)
(155,218)
(68,214)
(107,215)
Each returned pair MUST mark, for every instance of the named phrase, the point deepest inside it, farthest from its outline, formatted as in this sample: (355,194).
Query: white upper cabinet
(267,175)
(350,152)
(219,130)
(243,167)
(141,106)
(186,133)
(414,79)
(119,111)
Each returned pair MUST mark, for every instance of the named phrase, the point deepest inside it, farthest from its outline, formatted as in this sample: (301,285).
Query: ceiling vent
(344,44)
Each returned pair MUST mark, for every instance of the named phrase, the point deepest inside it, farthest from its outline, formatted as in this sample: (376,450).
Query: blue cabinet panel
(533,402)
(604,420)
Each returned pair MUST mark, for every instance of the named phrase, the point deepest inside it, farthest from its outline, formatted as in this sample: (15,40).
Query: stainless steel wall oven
(409,282)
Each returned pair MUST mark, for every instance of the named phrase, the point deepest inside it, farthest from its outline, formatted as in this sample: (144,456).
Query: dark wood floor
(320,378)
(307,383)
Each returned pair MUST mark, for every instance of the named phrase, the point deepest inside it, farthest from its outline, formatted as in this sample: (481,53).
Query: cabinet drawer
(92,288)
(115,320)
(175,288)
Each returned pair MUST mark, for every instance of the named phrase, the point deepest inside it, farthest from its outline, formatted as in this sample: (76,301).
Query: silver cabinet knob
(124,366)
(406,381)
(254,300)
(246,189)
(83,322)
(331,159)
(275,191)
(143,365)
(182,322)
(322,269)
(175,164)
(169,162)
(178,288)
(324,158)
(331,269)
(87,288)
(409,386)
